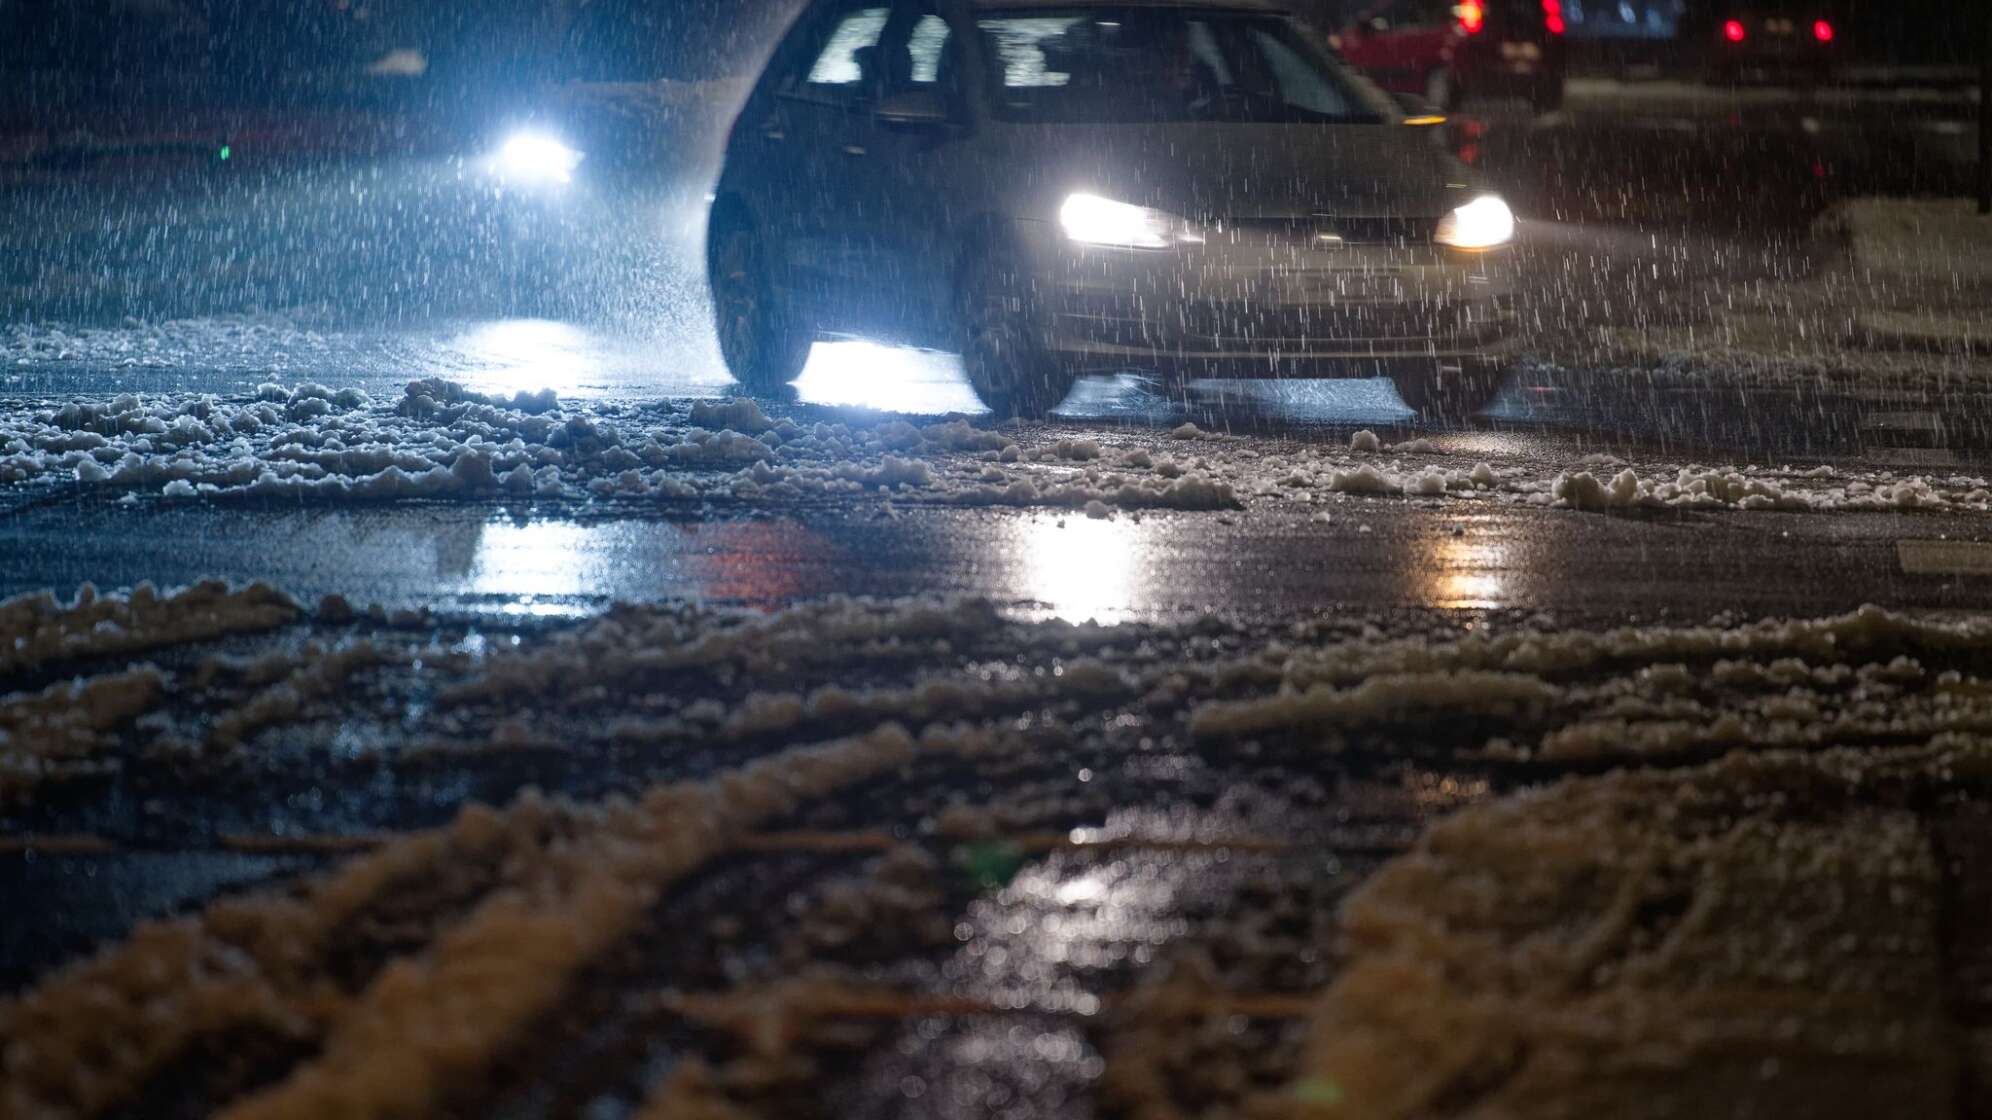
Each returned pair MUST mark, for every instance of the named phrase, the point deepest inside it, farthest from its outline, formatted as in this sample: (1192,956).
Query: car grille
(1402,232)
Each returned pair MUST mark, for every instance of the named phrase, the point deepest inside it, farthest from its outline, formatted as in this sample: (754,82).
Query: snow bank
(440,441)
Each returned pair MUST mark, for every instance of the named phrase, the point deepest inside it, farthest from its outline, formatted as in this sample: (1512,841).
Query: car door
(821,121)
(913,175)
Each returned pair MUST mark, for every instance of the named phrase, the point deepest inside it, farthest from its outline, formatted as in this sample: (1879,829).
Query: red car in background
(1449,51)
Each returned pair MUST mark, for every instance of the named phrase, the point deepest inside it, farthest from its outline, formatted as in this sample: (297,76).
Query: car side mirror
(913,108)
(1415,106)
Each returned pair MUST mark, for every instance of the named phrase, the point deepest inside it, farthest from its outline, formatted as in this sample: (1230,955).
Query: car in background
(202,157)
(1050,188)
(1447,51)
(1769,40)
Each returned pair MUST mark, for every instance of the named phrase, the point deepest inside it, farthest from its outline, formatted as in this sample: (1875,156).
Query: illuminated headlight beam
(535,157)
(1092,220)
(1484,223)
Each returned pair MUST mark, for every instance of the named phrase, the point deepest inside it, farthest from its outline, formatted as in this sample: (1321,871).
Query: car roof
(1231,5)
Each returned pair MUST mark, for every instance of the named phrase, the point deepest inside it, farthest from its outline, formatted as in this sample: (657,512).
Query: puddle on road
(1040,563)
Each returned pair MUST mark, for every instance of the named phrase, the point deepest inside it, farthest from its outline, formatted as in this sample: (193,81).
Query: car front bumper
(1255,303)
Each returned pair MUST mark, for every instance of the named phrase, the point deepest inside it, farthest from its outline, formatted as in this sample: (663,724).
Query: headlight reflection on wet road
(552,566)
(1081,569)
(855,373)
(1465,573)
(529,354)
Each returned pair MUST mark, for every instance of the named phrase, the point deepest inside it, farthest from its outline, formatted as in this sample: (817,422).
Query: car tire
(1455,394)
(1002,332)
(763,347)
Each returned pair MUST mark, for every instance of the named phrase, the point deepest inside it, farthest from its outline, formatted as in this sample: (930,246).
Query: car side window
(840,72)
(926,45)
(919,52)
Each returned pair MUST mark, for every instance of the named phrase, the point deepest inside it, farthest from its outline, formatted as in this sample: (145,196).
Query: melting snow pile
(441,441)
(1745,925)
(37,628)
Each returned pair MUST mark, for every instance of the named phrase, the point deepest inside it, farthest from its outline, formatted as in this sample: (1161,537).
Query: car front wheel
(763,347)
(1003,346)
(1456,393)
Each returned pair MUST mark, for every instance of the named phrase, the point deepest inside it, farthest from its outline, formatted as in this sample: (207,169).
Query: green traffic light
(225,152)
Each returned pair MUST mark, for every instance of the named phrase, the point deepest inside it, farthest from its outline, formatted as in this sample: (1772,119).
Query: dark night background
(262,49)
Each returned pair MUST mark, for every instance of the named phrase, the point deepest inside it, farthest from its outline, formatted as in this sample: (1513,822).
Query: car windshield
(1141,65)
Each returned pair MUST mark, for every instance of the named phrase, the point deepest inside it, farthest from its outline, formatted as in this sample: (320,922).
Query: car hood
(1254,171)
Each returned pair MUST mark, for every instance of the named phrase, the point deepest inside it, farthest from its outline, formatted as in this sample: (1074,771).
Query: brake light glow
(1822,31)
(1732,30)
(1552,16)
(1472,16)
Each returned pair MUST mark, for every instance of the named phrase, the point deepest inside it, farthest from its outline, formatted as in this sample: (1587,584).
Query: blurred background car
(386,157)
(1769,40)
(1448,51)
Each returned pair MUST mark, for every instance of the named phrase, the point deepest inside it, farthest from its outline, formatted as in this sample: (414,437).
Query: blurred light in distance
(1732,30)
(1472,16)
(1484,223)
(510,355)
(535,157)
(1822,31)
(1552,16)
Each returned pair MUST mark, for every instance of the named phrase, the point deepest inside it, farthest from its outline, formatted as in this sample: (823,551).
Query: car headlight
(1092,220)
(534,158)
(1484,223)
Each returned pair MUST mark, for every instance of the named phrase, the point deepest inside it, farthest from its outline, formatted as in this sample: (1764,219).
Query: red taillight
(1822,31)
(1472,16)
(1552,16)
(1732,30)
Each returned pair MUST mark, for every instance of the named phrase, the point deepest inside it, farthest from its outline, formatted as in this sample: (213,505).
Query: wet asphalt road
(1255,567)
(1611,271)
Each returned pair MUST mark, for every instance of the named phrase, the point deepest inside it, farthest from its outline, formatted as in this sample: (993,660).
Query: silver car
(1055,188)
